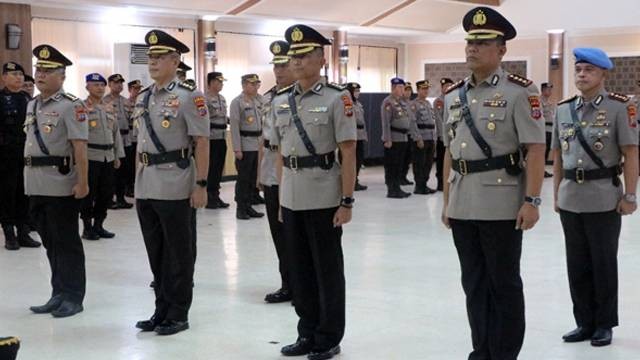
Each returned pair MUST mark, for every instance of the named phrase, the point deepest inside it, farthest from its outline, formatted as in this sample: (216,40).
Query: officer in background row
(269,181)
(134,88)
(28,85)
(408,154)
(424,148)
(489,199)
(55,177)
(313,119)
(361,125)
(14,204)
(246,129)
(549,114)
(105,149)
(181,73)
(218,138)
(171,180)
(592,133)
(438,108)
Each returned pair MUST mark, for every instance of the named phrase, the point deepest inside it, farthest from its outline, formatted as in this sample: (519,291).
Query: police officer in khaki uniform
(55,177)
(438,108)
(181,73)
(119,103)
(218,139)
(268,177)
(29,85)
(134,88)
(361,124)
(549,113)
(396,124)
(105,149)
(172,118)
(489,199)
(408,154)
(246,129)
(14,204)
(425,122)
(592,133)
(313,120)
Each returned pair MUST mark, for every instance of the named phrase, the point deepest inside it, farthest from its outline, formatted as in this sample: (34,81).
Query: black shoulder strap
(296,120)
(147,122)
(36,130)
(583,141)
(466,115)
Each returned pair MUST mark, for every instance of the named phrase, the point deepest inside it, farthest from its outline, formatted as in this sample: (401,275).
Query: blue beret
(593,56)
(397,81)
(95,77)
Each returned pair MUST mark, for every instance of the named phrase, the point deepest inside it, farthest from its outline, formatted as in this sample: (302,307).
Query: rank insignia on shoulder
(187,86)
(285,89)
(70,96)
(336,86)
(454,86)
(568,100)
(517,79)
(619,97)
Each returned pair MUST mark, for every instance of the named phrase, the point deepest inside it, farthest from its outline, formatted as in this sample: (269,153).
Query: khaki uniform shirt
(604,120)
(507,114)
(548,112)
(185,109)
(217,115)
(358,111)
(60,118)
(438,112)
(123,116)
(129,107)
(395,113)
(425,120)
(327,116)
(245,115)
(268,173)
(103,130)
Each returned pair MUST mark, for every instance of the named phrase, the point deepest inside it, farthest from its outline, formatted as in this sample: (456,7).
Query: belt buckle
(27,161)
(293,162)
(580,175)
(462,164)
(144,158)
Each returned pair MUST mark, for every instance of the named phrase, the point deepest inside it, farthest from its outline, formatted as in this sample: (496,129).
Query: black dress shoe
(123,204)
(170,327)
(242,214)
(360,187)
(405,194)
(405,181)
(547,174)
(12,244)
(152,284)
(102,233)
(24,239)
(90,234)
(66,309)
(302,346)
(394,194)
(430,191)
(577,335)
(420,191)
(601,337)
(279,296)
(324,354)
(254,214)
(51,305)
(257,200)
(148,325)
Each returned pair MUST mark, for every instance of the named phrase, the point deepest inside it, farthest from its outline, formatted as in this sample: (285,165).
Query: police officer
(438,107)
(549,113)
(488,198)
(361,125)
(170,182)
(218,138)
(408,154)
(246,129)
(182,71)
(425,122)
(14,204)
(313,119)
(592,132)
(134,88)
(29,85)
(396,124)
(105,149)
(55,177)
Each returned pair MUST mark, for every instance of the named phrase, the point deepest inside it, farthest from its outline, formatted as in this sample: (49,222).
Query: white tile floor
(404,299)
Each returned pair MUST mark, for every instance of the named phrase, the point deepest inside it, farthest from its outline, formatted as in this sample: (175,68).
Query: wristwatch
(347,202)
(630,198)
(533,200)
(202,183)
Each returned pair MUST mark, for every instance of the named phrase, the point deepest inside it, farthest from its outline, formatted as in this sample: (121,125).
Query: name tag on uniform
(495,103)
(51,114)
(319,109)
(283,108)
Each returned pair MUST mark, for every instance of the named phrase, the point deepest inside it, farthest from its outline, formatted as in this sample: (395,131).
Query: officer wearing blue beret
(592,133)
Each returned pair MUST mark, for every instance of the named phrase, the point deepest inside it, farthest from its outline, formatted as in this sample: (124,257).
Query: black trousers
(130,157)
(247,176)
(591,241)
(360,146)
(489,253)
(393,162)
(272,204)
(422,162)
(548,147)
(440,149)
(217,155)
(56,220)
(95,205)
(14,204)
(314,246)
(406,159)
(167,228)
(123,173)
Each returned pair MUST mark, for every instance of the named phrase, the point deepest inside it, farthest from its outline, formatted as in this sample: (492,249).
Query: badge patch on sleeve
(201,105)
(536,111)
(439,104)
(81,114)
(348,105)
(632,111)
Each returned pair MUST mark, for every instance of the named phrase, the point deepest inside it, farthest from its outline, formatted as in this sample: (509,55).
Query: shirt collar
(492,80)
(316,88)
(595,103)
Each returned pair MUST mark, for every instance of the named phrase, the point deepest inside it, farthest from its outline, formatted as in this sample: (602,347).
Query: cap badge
(153,38)
(479,18)
(276,48)
(11,66)
(297,35)
(44,53)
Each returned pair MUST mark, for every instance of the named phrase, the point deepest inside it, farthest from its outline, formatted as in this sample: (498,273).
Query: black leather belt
(37,161)
(124,131)
(464,167)
(267,144)
(163,158)
(218,126)
(100,146)
(247,133)
(324,161)
(581,175)
(399,130)
(360,127)
(426,126)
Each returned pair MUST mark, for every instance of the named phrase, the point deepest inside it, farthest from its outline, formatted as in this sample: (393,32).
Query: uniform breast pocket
(283,122)
(50,125)
(492,120)
(599,137)
(316,125)
(498,179)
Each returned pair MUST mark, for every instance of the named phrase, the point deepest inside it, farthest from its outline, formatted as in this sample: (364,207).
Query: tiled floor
(404,299)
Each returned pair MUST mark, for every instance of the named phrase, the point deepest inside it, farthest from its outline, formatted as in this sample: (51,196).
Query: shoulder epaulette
(285,89)
(524,82)
(271,91)
(336,86)
(454,86)
(187,86)
(568,100)
(70,96)
(145,89)
(619,97)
